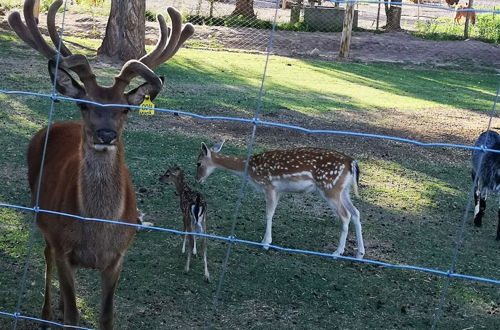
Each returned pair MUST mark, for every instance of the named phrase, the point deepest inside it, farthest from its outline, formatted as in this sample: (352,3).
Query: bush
(242,21)
(298,26)
(488,27)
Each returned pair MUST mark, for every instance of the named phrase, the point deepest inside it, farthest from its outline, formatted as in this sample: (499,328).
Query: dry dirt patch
(366,46)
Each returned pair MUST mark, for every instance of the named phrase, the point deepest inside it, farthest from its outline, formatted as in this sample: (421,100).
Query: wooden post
(418,11)
(378,15)
(466,29)
(345,43)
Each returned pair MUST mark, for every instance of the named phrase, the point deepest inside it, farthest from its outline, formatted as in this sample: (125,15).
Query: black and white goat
(486,165)
(194,210)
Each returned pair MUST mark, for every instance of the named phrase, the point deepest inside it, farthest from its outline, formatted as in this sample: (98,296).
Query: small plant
(298,26)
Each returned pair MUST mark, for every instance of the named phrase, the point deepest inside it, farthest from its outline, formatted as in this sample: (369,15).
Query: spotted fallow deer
(84,172)
(301,170)
(194,214)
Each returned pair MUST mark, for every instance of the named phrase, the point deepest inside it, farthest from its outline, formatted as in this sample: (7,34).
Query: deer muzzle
(106,140)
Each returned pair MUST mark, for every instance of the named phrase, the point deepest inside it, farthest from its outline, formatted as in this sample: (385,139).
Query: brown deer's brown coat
(84,171)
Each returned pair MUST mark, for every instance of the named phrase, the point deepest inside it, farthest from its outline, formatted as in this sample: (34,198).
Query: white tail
(301,170)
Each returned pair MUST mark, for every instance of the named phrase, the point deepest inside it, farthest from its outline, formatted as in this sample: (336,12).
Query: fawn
(194,210)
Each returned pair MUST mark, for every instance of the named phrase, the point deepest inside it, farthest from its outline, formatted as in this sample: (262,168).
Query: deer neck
(101,188)
(230,163)
(180,186)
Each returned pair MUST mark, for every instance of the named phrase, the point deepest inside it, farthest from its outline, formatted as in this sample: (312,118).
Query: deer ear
(65,83)
(218,146)
(136,95)
(204,149)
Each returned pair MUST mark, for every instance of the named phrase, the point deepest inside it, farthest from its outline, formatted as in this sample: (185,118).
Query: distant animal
(450,2)
(459,14)
(486,166)
(194,211)
(300,170)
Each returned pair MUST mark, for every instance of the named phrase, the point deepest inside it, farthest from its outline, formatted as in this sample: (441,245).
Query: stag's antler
(30,34)
(165,48)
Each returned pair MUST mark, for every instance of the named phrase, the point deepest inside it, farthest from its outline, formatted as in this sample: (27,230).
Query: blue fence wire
(255,122)
(233,239)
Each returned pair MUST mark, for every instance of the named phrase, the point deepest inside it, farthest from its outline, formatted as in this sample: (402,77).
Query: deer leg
(194,245)
(480,201)
(189,252)
(67,286)
(498,226)
(204,248)
(272,198)
(184,244)
(49,266)
(109,279)
(338,207)
(184,228)
(355,217)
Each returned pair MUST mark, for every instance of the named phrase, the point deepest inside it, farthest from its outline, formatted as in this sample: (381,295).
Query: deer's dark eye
(198,164)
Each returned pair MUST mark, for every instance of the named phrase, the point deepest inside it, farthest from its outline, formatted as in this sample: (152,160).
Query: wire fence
(249,29)
(213,8)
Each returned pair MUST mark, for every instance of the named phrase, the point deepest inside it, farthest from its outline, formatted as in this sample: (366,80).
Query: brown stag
(84,172)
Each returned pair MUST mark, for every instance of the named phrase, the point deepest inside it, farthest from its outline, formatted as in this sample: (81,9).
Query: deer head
(172,175)
(103,125)
(205,165)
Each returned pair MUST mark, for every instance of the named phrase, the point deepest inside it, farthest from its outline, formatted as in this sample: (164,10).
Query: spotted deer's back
(317,165)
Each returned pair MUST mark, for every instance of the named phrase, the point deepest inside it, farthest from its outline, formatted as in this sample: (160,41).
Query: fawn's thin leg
(204,248)
(189,252)
(195,251)
(184,229)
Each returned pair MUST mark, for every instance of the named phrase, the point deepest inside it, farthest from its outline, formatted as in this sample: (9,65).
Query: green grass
(412,202)
(487,28)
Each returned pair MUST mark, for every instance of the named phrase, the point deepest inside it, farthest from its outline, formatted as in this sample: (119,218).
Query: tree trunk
(345,43)
(393,13)
(244,8)
(125,32)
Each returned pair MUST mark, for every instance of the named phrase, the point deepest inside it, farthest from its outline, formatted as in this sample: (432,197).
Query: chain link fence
(246,25)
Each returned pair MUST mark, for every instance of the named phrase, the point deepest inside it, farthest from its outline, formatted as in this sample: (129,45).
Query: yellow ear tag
(147,103)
